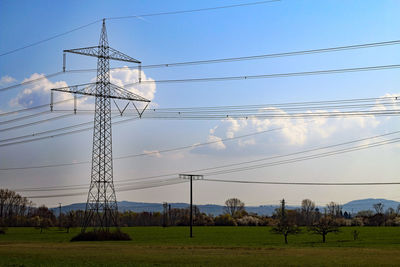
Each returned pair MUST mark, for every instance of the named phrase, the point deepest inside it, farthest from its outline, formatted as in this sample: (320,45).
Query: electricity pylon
(101,206)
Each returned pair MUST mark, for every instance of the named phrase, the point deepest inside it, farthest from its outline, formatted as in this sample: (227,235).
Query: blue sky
(268,28)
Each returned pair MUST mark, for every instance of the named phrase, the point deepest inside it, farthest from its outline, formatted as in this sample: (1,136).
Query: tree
(324,226)
(378,208)
(307,210)
(234,207)
(44,223)
(70,220)
(334,209)
(285,227)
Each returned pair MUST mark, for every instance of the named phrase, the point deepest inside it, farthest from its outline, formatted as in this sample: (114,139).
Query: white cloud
(218,144)
(125,75)
(154,153)
(235,126)
(6,80)
(243,143)
(38,93)
(298,131)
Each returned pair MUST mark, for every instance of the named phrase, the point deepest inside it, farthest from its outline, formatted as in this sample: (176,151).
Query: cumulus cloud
(246,142)
(154,153)
(6,80)
(297,130)
(235,126)
(37,93)
(217,142)
(125,75)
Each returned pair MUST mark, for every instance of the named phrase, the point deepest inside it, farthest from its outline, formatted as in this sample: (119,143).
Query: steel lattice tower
(101,206)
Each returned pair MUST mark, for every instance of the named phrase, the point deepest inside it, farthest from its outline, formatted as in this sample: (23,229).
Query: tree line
(16,210)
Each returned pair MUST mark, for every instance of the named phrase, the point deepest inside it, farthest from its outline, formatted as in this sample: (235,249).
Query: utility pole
(59,215)
(165,207)
(191,177)
(101,207)
(169,213)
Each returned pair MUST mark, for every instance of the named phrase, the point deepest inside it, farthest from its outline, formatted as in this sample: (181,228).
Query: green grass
(211,246)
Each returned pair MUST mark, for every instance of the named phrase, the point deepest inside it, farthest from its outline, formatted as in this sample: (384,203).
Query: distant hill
(367,204)
(352,207)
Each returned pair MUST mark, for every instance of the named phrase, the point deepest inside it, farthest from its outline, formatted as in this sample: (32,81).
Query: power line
(192,10)
(31,81)
(275,75)
(301,183)
(331,104)
(125,182)
(25,117)
(231,107)
(237,113)
(207,117)
(301,152)
(264,56)
(136,182)
(136,16)
(145,154)
(48,39)
(315,156)
(177,181)
(36,122)
(180,116)
(222,60)
(324,154)
(35,107)
(55,135)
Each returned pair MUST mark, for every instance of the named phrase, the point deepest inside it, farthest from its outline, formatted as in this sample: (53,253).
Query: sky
(281,26)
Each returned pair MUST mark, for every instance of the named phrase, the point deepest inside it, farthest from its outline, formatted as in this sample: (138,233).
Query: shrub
(248,221)
(101,236)
(396,221)
(224,220)
(357,221)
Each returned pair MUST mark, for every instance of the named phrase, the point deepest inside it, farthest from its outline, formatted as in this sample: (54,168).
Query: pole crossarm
(116,92)
(96,51)
(191,176)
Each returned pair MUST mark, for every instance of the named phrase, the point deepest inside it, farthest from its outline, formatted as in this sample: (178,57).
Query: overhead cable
(300,183)
(268,76)
(136,16)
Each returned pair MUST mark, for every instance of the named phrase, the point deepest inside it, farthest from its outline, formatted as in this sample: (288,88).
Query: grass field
(210,246)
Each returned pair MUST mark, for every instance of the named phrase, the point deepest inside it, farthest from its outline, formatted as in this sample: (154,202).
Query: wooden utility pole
(191,177)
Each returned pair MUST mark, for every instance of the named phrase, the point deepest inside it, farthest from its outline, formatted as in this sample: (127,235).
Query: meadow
(210,246)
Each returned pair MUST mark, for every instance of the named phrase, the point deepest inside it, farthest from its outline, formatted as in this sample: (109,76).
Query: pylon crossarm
(76,89)
(89,89)
(116,55)
(121,93)
(94,51)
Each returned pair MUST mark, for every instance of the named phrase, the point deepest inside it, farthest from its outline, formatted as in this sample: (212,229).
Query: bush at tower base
(116,235)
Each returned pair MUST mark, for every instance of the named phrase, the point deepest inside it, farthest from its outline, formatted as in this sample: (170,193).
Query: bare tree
(378,208)
(234,206)
(70,220)
(324,226)
(307,210)
(12,206)
(334,209)
(285,227)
